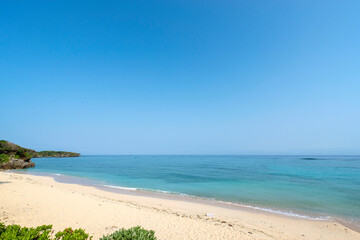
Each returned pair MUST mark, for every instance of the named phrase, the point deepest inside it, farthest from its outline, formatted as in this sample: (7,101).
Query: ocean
(317,187)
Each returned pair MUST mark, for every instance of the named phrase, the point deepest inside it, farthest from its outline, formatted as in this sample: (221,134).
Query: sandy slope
(34,200)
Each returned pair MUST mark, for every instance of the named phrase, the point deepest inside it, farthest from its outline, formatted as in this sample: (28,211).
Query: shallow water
(317,186)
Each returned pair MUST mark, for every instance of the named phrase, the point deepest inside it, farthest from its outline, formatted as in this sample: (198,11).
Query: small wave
(149,190)
(282,212)
(122,188)
(289,213)
(270,210)
(167,192)
(158,191)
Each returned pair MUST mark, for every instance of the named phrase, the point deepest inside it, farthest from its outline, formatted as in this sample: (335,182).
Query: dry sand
(30,200)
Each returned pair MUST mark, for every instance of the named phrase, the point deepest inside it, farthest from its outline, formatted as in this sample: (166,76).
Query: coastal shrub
(40,233)
(44,232)
(2,228)
(134,233)
(18,233)
(69,234)
(22,154)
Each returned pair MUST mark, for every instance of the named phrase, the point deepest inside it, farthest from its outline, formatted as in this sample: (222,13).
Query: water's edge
(84,181)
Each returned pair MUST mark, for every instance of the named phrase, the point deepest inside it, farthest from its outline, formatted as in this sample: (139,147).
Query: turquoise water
(306,185)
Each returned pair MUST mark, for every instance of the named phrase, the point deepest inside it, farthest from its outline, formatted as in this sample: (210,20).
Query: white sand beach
(30,200)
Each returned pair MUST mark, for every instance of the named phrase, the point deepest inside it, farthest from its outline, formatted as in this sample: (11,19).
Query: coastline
(61,178)
(286,185)
(31,200)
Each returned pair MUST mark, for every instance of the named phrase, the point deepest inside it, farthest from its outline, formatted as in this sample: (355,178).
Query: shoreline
(220,222)
(84,181)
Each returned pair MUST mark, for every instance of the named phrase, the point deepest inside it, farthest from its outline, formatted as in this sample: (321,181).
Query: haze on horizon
(181,77)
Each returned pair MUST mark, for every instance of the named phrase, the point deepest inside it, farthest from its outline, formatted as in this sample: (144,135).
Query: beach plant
(44,232)
(134,233)
(2,228)
(23,233)
(40,233)
(69,234)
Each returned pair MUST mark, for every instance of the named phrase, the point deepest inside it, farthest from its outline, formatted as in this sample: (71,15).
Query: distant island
(13,156)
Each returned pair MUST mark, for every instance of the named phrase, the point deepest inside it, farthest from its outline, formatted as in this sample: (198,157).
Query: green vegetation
(54,154)
(18,152)
(18,233)
(4,158)
(40,233)
(45,232)
(69,234)
(4,146)
(21,154)
(134,233)
(10,150)
(13,156)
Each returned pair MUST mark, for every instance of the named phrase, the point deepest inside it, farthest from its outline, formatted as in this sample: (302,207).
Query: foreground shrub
(15,232)
(134,233)
(69,234)
(2,228)
(18,233)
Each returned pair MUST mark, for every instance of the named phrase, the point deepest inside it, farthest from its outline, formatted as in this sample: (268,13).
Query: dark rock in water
(13,156)
(309,158)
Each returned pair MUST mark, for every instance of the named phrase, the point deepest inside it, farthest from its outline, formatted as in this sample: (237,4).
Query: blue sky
(181,77)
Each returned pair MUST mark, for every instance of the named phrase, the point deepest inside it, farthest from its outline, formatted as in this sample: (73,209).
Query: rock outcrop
(13,156)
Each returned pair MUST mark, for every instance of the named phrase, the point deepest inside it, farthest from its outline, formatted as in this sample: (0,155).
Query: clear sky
(181,77)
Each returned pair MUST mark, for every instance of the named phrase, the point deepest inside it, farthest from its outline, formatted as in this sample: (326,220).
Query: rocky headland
(57,154)
(13,156)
